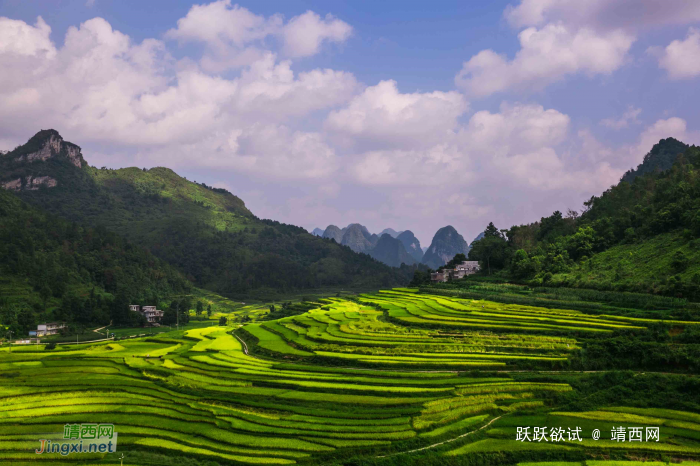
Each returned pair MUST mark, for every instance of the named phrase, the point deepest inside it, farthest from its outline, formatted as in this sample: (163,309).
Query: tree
(456,260)
(222,320)
(209,311)
(119,310)
(26,320)
(491,250)
(199,309)
(45,293)
(679,262)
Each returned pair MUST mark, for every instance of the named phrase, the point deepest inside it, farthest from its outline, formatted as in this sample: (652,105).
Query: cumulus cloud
(235,37)
(630,116)
(101,86)
(21,39)
(681,58)
(546,55)
(304,34)
(382,116)
(603,14)
(565,37)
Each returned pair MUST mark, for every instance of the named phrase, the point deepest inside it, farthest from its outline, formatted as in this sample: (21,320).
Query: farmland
(393,377)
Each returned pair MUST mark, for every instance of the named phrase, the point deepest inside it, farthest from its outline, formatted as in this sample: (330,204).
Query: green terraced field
(382,374)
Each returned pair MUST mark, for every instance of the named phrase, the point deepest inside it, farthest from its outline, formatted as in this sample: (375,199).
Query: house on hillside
(47,329)
(153,316)
(460,271)
(466,268)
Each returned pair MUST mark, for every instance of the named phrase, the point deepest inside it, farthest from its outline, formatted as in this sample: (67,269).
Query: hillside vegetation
(51,269)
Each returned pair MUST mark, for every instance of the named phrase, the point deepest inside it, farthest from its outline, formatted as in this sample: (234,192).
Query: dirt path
(444,441)
(245,347)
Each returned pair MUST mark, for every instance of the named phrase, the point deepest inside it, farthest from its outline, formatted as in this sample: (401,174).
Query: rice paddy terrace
(377,378)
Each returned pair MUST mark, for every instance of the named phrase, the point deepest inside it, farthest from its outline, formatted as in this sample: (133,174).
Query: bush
(680,262)
(50,346)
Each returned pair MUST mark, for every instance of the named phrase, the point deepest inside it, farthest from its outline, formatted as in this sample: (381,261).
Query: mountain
(390,231)
(660,158)
(411,244)
(334,233)
(357,238)
(317,232)
(207,233)
(424,248)
(445,245)
(391,251)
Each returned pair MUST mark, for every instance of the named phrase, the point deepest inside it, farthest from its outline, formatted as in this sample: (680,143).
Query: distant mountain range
(394,248)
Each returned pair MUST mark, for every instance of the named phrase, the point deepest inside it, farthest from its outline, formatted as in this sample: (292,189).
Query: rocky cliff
(357,238)
(333,232)
(411,244)
(446,244)
(25,168)
(391,251)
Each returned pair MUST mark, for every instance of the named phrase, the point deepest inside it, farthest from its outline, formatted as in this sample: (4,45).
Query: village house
(152,315)
(460,271)
(47,329)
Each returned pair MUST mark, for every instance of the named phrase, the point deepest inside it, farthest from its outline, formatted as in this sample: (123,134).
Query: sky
(404,115)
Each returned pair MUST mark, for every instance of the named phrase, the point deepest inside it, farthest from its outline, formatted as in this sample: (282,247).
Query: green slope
(52,269)
(207,233)
(649,266)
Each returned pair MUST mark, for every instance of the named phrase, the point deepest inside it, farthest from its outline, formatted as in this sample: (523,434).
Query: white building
(47,329)
(152,315)
(460,271)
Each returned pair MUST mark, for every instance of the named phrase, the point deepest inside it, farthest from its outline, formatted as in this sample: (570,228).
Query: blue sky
(410,115)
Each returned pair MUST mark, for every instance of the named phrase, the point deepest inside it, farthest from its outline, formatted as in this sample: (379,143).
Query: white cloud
(546,55)
(437,165)
(382,116)
(630,116)
(19,38)
(681,58)
(220,25)
(103,87)
(515,127)
(603,14)
(235,37)
(304,34)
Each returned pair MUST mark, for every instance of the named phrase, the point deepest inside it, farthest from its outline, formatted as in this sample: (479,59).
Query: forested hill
(639,236)
(51,269)
(660,158)
(205,232)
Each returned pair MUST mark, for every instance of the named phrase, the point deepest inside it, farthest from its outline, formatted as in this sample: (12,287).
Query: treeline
(652,204)
(73,273)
